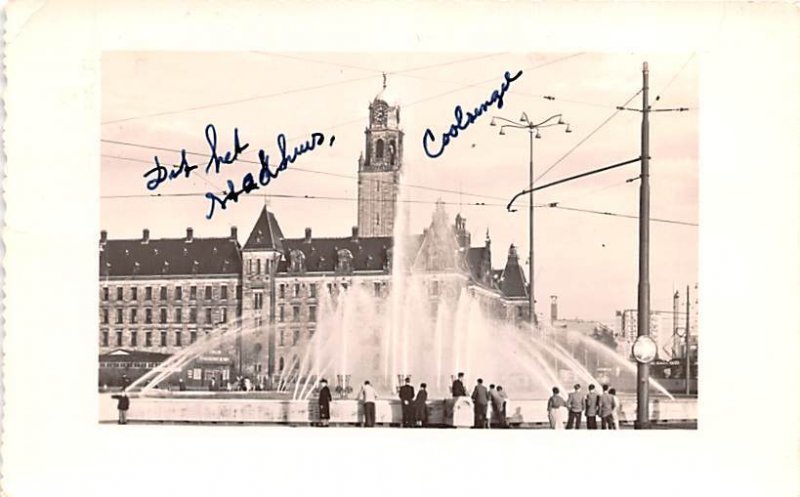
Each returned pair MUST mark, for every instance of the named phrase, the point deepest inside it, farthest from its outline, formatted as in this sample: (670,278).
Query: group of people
(489,405)
(591,404)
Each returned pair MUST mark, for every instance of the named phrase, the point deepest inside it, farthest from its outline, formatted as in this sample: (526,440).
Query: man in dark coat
(575,402)
(606,408)
(480,399)
(123,403)
(591,404)
(421,406)
(406,400)
(458,388)
(324,403)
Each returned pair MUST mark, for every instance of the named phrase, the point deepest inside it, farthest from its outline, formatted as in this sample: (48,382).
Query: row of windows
(312,313)
(149,337)
(283,336)
(164,292)
(116,364)
(163,316)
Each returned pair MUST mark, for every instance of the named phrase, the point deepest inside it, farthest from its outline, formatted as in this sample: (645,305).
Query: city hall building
(161,295)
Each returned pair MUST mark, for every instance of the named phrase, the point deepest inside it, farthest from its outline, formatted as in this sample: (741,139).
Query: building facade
(160,295)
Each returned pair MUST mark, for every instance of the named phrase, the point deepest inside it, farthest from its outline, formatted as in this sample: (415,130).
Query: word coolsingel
(462,122)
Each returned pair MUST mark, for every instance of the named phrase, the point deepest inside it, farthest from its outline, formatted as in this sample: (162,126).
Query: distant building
(160,295)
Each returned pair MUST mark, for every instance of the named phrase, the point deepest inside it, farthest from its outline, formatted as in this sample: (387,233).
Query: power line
(312,171)
(585,138)
(658,95)
(555,205)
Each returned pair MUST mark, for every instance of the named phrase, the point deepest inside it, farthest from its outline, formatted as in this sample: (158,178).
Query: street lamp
(530,126)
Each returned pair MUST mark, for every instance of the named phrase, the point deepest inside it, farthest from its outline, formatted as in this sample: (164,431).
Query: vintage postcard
(348,241)
(257,248)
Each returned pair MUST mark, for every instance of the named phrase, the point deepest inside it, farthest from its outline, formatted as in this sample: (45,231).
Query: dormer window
(344,263)
(297,261)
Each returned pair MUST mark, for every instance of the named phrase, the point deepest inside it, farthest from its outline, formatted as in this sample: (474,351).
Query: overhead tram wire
(585,138)
(282,93)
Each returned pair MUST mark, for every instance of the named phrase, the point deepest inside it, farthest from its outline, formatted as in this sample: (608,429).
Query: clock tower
(379,168)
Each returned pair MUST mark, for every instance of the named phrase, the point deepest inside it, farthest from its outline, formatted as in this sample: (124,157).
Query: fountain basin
(190,407)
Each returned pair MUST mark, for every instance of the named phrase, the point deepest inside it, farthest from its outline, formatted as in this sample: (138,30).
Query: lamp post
(526,124)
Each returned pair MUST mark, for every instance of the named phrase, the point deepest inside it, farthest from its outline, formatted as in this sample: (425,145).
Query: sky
(157,103)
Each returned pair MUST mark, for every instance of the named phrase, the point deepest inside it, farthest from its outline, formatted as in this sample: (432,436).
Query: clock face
(644,349)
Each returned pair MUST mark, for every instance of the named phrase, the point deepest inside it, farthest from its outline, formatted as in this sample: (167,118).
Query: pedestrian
(407,402)
(503,409)
(212,385)
(575,407)
(181,385)
(615,408)
(606,410)
(368,395)
(421,405)
(123,403)
(590,406)
(480,399)
(324,403)
(458,389)
(554,412)
(497,406)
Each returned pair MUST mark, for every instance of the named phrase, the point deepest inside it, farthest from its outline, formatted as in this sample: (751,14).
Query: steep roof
(266,234)
(512,281)
(170,257)
(321,254)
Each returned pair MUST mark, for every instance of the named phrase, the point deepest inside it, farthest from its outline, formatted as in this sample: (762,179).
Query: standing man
(407,399)
(123,403)
(480,398)
(369,396)
(324,403)
(421,406)
(575,407)
(458,388)
(606,410)
(497,406)
(504,398)
(590,405)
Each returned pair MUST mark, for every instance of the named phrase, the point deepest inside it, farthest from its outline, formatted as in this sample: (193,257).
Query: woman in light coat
(556,408)
(615,408)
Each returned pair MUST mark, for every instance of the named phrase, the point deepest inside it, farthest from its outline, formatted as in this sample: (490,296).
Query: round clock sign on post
(644,349)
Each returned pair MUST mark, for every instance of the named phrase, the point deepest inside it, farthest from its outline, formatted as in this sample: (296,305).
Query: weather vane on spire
(384,81)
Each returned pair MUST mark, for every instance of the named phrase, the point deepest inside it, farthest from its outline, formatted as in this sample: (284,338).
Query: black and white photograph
(400,240)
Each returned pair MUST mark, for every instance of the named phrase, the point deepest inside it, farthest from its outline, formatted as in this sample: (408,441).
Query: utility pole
(676,305)
(532,303)
(643,329)
(688,348)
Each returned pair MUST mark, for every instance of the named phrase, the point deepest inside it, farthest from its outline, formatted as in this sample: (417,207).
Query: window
(133,315)
(148,316)
(295,313)
(148,293)
(163,293)
(192,336)
(379,149)
(258,322)
(119,293)
(296,290)
(133,338)
(105,338)
(312,290)
(179,315)
(257,300)
(178,342)
(163,316)
(193,293)
(105,316)
(377,219)
(330,288)
(148,339)
(208,292)
(163,338)
(258,266)
(178,293)
(208,315)
(281,313)
(239,292)
(223,292)
(312,314)
(223,315)
(119,316)
(105,293)
(281,336)
(119,338)
(280,364)
(282,291)
(250,266)
(193,315)
(134,293)
(377,288)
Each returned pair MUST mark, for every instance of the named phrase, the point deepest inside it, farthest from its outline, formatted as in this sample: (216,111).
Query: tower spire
(384,80)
